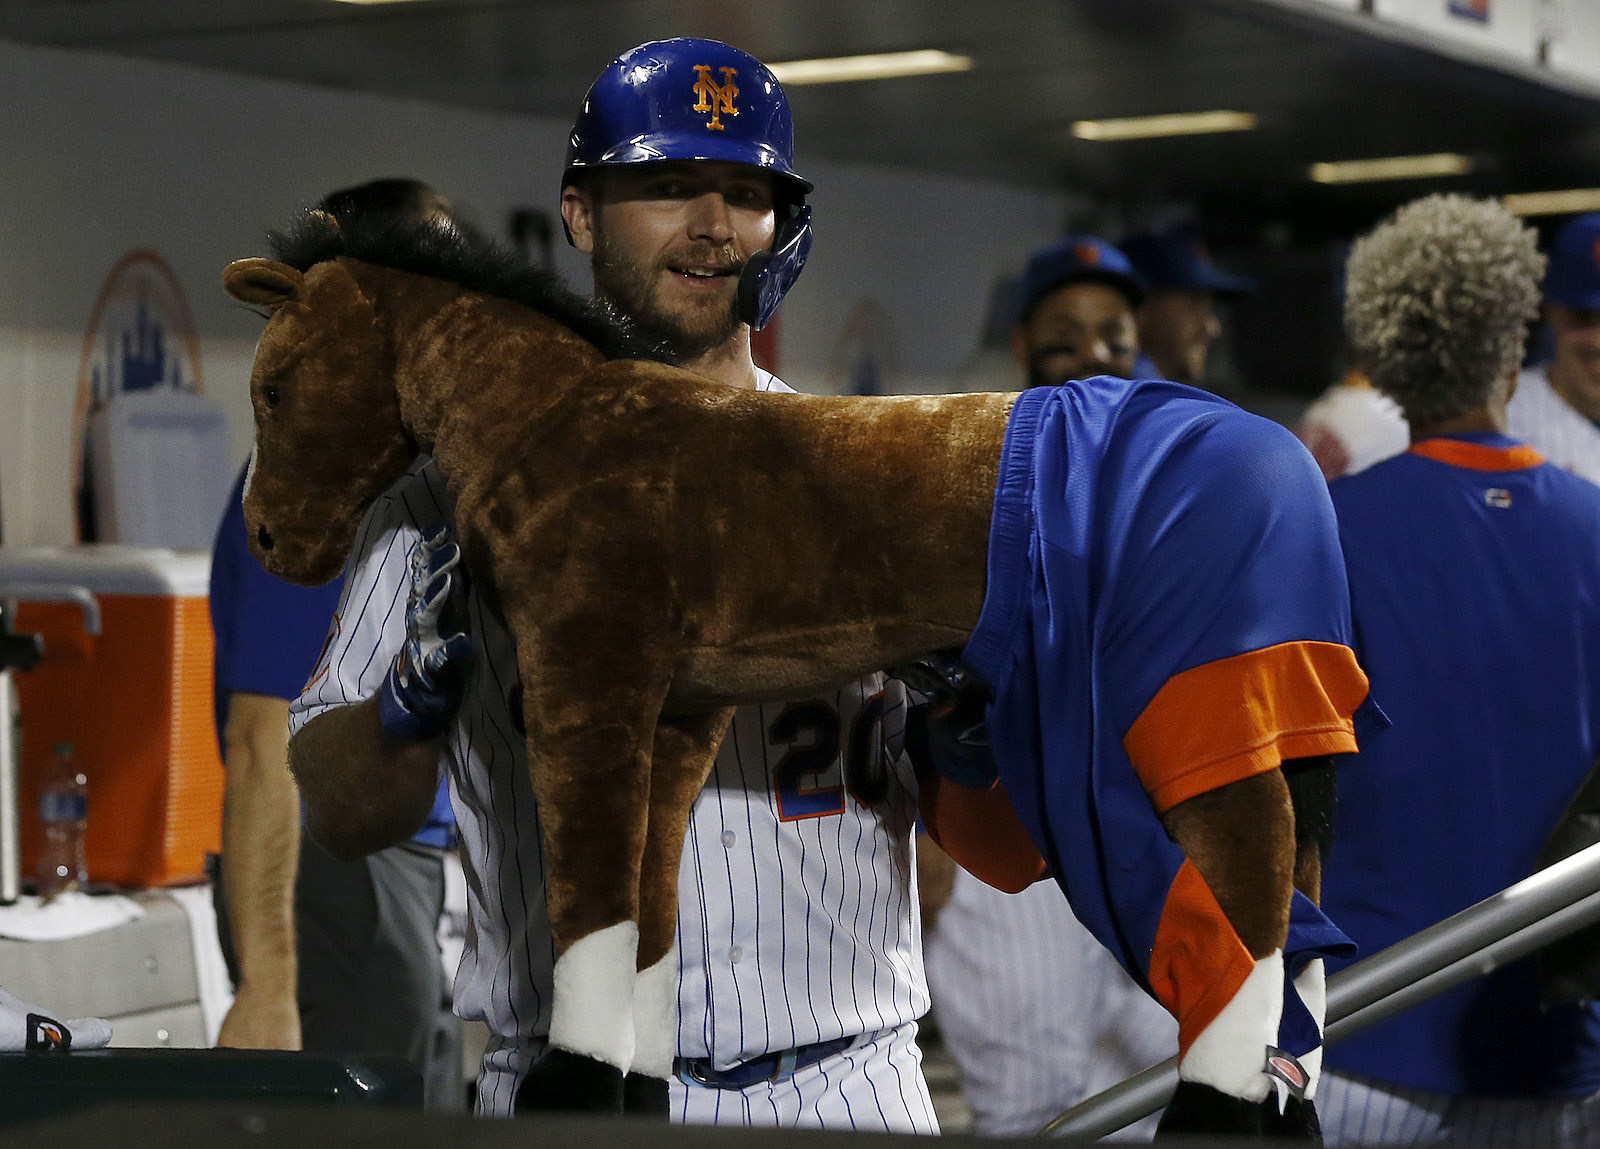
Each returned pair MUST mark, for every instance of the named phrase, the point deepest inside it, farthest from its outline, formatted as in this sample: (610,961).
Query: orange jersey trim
(1198,962)
(1478,456)
(981,831)
(1227,720)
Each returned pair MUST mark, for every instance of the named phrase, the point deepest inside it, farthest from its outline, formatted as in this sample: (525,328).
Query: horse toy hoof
(563,1081)
(645,1096)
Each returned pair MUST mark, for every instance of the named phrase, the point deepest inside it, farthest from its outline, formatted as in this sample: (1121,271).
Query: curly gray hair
(1437,302)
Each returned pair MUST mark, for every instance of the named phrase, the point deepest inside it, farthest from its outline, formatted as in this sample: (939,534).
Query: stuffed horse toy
(662,547)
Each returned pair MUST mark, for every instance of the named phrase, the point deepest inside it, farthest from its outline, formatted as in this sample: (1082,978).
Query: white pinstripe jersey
(797,919)
(1552,426)
(1352,426)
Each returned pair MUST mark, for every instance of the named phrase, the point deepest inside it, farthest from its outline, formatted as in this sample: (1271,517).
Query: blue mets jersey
(1167,613)
(1475,585)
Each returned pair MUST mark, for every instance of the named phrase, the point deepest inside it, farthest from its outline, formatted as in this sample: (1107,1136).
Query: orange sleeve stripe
(981,831)
(1197,963)
(1236,717)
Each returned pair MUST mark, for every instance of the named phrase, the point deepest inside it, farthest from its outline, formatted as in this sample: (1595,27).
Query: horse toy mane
(446,251)
(661,547)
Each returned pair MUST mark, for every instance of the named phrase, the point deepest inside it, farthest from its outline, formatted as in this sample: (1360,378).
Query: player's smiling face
(668,241)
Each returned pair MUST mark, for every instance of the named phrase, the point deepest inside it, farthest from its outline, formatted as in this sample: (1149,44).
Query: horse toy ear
(262,281)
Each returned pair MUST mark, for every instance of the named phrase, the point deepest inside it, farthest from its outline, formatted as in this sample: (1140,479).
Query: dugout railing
(1533,913)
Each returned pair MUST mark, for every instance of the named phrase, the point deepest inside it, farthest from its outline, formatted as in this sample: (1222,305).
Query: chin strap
(768,275)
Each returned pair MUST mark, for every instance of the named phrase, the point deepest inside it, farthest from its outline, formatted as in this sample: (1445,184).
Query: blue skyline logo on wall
(141,337)
(136,358)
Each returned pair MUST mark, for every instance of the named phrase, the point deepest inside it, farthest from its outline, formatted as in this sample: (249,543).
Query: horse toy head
(327,417)
(351,306)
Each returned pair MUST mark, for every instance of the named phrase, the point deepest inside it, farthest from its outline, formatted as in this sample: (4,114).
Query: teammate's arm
(261,842)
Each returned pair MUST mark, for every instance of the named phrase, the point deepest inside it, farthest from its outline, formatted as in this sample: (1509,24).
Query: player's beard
(632,286)
(1038,376)
(1043,373)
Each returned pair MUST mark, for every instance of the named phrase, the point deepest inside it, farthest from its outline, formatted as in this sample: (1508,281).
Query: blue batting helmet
(691,99)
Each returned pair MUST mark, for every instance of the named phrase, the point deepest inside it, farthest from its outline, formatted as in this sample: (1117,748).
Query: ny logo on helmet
(714,97)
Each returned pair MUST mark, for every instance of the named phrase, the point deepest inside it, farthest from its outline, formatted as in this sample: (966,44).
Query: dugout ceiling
(1323,86)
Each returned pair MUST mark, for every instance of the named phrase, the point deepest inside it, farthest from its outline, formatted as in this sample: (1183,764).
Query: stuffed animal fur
(662,547)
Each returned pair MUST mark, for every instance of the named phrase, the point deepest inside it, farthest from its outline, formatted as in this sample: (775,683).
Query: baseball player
(1178,315)
(1036,1012)
(1557,404)
(1475,586)
(799,962)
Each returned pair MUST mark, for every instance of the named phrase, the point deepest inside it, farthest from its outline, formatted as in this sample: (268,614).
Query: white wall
(100,155)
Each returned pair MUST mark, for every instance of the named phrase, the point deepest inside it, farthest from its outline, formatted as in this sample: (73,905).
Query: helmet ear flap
(768,275)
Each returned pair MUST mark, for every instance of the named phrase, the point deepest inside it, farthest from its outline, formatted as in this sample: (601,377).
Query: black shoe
(565,1081)
(644,1096)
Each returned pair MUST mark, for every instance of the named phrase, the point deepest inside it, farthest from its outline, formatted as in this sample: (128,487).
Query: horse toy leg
(1241,838)
(591,731)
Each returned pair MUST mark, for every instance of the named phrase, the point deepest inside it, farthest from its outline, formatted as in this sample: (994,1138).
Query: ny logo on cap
(714,97)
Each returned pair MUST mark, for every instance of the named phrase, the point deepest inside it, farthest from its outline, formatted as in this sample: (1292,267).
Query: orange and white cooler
(134,701)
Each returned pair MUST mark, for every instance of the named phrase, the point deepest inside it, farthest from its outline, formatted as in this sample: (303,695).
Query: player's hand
(423,688)
(261,1020)
(1200,1110)
(947,733)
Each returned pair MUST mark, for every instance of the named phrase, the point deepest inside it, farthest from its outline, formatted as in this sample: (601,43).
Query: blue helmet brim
(670,147)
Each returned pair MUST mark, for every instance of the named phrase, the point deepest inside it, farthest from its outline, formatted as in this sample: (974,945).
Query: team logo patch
(322,665)
(1289,1077)
(1086,254)
(1476,10)
(1497,497)
(1597,253)
(714,97)
(46,1033)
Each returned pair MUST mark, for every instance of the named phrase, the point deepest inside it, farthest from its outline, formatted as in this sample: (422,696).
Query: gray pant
(370,979)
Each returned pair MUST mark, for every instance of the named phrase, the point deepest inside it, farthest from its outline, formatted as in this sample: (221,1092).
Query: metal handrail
(1521,919)
(16,592)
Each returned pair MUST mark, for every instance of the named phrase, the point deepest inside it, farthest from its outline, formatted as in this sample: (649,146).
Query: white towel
(70,914)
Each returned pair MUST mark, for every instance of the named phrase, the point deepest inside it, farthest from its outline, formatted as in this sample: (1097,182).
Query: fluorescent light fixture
(1174,124)
(373,1)
(1392,168)
(1553,202)
(884,66)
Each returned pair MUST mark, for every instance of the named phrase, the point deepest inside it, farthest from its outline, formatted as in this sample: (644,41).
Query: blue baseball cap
(1574,276)
(1179,262)
(1072,260)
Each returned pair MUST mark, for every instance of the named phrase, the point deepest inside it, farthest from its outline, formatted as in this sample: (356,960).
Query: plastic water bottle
(63,813)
